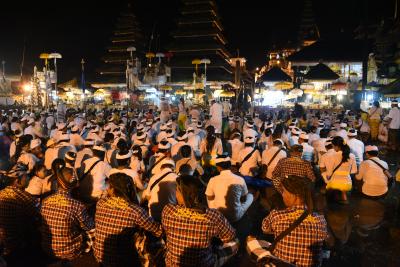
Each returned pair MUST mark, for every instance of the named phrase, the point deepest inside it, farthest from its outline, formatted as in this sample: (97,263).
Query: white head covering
(371,148)
(352,133)
(35,143)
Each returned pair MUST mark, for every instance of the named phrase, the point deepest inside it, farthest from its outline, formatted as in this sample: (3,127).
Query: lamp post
(205,61)
(55,56)
(83,82)
(129,72)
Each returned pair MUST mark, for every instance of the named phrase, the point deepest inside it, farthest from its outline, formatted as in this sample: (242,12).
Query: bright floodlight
(27,87)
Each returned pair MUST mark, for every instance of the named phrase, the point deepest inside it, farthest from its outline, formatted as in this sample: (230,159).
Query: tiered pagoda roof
(199,35)
(127,33)
(308,32)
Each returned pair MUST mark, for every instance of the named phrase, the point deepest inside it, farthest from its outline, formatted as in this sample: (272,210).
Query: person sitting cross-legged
(228,192)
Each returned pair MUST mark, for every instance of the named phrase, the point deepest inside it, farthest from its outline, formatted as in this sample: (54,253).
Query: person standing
(182,114)
(216,115)
(394,126)
(375,113)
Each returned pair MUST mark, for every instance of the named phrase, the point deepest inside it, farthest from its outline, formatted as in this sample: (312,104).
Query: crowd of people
(158,187)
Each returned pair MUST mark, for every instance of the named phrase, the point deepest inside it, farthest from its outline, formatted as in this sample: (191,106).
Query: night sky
(82,28)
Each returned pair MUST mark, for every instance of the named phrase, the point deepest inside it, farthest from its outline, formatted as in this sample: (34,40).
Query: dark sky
(82,28)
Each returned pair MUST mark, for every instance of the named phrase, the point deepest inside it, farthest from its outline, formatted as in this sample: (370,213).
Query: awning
(275,74)
(321,72)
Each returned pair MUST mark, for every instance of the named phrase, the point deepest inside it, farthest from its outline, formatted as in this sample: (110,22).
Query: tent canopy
(275,74)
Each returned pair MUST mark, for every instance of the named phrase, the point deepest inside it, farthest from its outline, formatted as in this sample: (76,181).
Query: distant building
(127,34)
(199,35)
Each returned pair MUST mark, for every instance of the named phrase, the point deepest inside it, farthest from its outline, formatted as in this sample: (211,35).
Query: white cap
(249,125)
(304,136)
(280,140)
(167,161)
(352,133)
(99,148)
(222,158)
(172,134)
(164,146)
(295,131)
(88,143)
(24,118)
(30,121)
(183,137)
(249,139)
(163,127)
(140,128)
(35,143)
(70,155)
(371,148)
(141,136)
(126,156)
(395,102)
(199,124)
(343,125)
(169,123)
(269,125)
(190,129)
(63,137)
(61,125)
(218,131)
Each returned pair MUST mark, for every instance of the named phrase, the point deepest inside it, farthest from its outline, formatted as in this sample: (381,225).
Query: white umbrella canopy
(296,92)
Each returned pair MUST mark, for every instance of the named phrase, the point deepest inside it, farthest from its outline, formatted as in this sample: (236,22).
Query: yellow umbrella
(283,85)
(165,88)
(150,55)
(307,86)
(180,92)
(227,94)
(311,92)
(196,61)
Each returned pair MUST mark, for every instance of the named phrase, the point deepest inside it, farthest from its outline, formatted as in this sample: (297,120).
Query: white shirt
(162,193)
(80,155)
(237,146)
(216,112)
(76,140)
(308,152)
(28,159)
(49,156)
(194,142)
(342,133)
(267,156)
(394,114)
(99,173)
(32,131)
(357,148)
(220,186)
(342,174)
(312,137)
(250,163)
(375,181)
